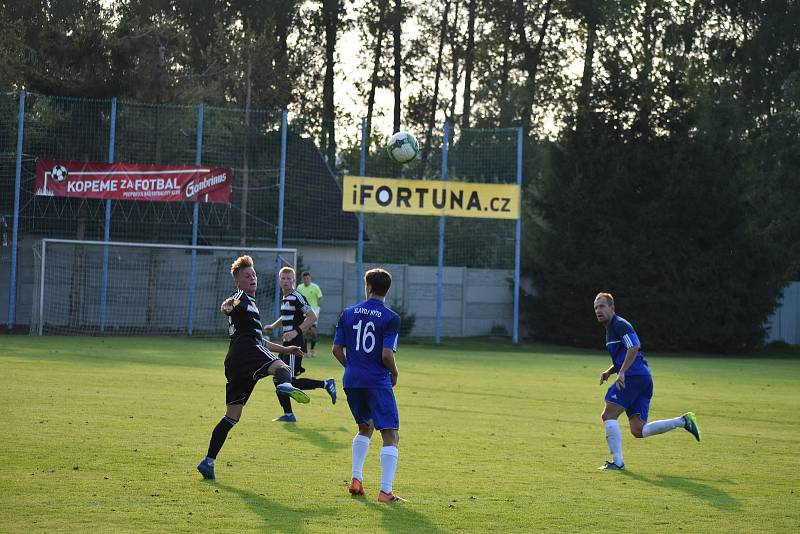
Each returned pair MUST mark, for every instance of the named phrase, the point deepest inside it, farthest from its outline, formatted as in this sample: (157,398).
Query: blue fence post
(281,199)
(107,232)
(440,261)
(362,170)
(12,287)
(518,239)
(193,277)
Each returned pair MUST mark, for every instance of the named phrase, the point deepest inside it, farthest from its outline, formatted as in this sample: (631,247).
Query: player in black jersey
(296,318)
(249,359)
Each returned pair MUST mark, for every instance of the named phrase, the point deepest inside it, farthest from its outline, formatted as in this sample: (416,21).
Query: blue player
(633,389)
(365,343)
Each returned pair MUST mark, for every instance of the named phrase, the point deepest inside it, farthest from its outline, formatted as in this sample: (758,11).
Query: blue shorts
(374,404)
(634,397)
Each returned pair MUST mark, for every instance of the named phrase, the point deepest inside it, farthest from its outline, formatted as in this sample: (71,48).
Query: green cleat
(297,394)
(691,425)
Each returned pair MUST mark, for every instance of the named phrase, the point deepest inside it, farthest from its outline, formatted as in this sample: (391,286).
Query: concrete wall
(473,301)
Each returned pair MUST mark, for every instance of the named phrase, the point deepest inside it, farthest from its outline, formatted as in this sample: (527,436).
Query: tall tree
(469,60)
(330,18)
(434,105)
(397,35)
(532,53)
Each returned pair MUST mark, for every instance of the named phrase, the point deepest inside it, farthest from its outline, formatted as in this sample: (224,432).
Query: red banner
(123,181)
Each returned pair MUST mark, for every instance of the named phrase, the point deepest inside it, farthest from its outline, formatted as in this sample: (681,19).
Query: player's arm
(607,373)
(229,304)
(338,353)
(390,347)
(309,320)
(632,344)
(339,341)
(280,349)
(273,326)
(387,355)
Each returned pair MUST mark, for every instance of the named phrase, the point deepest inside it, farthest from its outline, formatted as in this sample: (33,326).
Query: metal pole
(518,239)
(12,288)
(107,233)
(281,200)
(440,261)
(362,170)
(193,277)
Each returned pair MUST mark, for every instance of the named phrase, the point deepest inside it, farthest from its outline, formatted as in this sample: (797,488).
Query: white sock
(360,449)
(614,440)
(388,467)
(211,461)
(659,427)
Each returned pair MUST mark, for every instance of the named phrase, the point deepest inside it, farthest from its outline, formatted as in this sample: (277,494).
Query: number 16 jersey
(365,330)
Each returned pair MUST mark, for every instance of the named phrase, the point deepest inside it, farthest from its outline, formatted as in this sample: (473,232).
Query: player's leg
(284,388)
(312,338)
(610,415)
(385,418)
(359,407)
(236,394)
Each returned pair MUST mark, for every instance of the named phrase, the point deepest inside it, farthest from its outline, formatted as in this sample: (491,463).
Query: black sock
(308,383)
(313,343)
(286,403)
(219,434)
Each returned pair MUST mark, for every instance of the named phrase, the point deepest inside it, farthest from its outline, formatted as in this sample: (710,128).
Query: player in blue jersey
(365,344)
(633,389)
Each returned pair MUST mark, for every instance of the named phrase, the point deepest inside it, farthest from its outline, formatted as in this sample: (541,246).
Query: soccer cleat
(389,497)
(691,425)
(313,353)
(355,487)
(330,387)
(285,418)
(297,394)
(611,466)
(206,469)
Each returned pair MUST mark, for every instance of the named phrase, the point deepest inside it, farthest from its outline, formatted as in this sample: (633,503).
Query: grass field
(104,435)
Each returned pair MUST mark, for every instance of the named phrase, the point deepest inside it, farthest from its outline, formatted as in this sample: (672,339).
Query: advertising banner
(126,181)
(430,197)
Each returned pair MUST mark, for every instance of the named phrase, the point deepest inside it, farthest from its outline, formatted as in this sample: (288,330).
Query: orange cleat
(355,487)
(389,497)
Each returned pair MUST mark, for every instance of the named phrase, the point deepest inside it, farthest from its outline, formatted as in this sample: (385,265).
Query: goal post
(121,288)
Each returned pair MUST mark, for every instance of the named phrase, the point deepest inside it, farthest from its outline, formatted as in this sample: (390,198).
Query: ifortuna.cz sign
(430,197)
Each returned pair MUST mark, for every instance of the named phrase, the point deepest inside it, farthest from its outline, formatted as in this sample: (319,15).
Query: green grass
(104,434)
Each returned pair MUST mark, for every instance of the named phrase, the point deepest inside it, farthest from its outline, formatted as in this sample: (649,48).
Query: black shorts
(244,366)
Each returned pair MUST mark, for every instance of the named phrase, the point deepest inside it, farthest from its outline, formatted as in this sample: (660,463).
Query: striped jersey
(620,336)
(294,308)
(244,321)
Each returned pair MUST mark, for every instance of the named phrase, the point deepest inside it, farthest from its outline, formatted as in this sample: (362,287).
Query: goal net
(94,287)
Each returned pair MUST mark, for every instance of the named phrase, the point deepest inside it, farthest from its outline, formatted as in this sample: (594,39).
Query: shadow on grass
(277,517)
(322,440)
(399,517)
(714,496)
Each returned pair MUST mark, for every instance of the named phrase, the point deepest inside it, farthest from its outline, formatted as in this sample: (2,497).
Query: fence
(284,195)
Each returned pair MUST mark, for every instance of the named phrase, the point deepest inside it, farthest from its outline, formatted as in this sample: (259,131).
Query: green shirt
(311,292)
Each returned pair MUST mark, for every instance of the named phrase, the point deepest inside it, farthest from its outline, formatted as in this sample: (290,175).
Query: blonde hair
(240,263)
(606,295)
(286,269)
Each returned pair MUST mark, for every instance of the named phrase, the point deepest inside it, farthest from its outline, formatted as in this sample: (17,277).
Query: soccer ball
(59,173)
(402,147)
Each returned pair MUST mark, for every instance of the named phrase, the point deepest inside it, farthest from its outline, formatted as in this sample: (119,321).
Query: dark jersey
(244,321)
(294,308)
